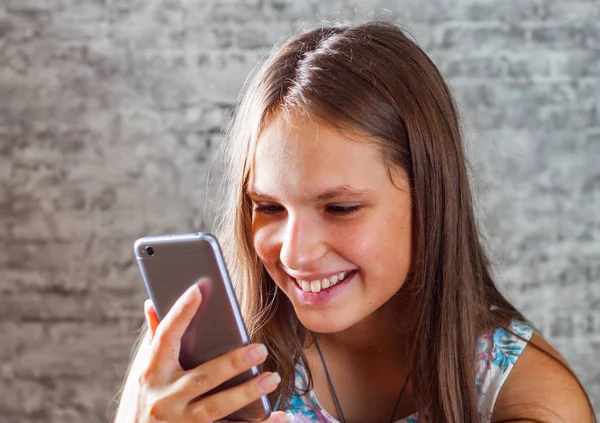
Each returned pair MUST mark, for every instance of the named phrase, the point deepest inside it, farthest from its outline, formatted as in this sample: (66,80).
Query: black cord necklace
(337,401)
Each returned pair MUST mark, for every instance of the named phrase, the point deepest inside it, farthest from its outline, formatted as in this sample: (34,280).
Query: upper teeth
(317,285)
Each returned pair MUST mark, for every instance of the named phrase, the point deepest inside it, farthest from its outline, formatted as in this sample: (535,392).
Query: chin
(315,322)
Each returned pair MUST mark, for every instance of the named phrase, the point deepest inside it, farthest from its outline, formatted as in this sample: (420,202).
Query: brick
(572,11)
(565,36)
(24,398)
(529,66)
(252,38)
(481,66)
(288,10)
(206,37)
(547,105)
(64,307)
(488,36)
(576,118)
(6,27)
(31,6)
(76,355)
(212,65)
(19,336)
(577,64)
(574,324)
(237,11)
(510,11)
(453,66)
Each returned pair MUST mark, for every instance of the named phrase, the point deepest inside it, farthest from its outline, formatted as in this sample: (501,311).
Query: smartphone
(170,264)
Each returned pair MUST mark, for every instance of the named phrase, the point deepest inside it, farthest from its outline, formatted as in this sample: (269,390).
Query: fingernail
(192,293)
(285,418)
(256,353)
(270,382)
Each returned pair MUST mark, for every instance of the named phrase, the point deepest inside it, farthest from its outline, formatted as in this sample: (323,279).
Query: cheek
(264,244)
(399,245)
(383,247)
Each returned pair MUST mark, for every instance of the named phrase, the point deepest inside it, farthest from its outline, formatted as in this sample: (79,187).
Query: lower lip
(324,296)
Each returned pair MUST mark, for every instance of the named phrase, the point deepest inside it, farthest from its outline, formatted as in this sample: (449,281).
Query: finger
(275,417)
(222,404)
(167,338)
(209,375)
(280,417)
(151,317)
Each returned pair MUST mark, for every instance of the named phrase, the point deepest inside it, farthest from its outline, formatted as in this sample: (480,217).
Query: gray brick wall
(110,114)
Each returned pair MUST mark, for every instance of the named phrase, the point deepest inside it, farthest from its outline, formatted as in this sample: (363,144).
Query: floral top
(497,353)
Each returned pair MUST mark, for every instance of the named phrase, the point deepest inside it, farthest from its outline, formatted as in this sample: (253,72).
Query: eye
(267,208)
(340,210)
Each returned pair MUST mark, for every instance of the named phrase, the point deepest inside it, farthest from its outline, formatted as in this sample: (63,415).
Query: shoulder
(540,387)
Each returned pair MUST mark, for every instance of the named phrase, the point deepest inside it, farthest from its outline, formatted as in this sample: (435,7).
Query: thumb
(151,317)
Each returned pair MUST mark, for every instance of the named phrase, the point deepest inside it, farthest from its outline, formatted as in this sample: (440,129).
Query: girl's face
(331,226)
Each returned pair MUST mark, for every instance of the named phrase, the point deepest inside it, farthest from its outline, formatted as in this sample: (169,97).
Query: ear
(151,317)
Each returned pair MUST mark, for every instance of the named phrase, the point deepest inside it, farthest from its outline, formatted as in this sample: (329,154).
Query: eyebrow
(340,191)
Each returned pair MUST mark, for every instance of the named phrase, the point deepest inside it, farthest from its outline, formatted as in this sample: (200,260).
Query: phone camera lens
(149,250)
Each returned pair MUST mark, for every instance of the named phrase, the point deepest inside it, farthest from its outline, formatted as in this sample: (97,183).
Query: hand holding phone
(167,392)
(201,367)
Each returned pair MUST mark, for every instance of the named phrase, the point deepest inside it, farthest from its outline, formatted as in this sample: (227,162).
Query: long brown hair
(372,78)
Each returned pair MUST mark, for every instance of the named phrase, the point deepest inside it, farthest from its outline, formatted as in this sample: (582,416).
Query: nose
(303,243)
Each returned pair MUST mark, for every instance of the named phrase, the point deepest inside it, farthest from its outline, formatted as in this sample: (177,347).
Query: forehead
(304,135)
(301,155)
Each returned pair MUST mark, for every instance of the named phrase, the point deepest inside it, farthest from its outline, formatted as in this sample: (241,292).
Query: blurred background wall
(111,112)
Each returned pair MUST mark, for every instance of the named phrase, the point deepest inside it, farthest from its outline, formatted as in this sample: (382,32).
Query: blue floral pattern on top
(497,353)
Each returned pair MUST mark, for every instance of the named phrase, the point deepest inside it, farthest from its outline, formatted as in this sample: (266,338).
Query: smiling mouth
(322,284)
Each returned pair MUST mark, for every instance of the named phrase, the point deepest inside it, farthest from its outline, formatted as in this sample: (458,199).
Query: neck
(368,363)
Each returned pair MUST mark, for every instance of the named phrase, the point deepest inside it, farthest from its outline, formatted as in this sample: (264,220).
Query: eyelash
(337,210)
(267,209)
(343,210)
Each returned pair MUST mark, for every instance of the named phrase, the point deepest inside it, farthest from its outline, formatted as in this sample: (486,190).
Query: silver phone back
(177,262)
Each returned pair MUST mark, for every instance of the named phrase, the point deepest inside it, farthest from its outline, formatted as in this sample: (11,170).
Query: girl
(349,230)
